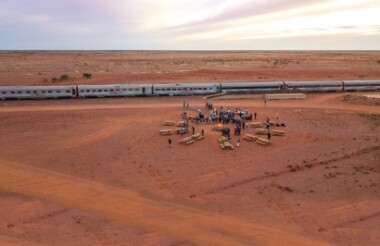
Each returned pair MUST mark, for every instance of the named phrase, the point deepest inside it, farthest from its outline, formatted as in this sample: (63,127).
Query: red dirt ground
(39,68)
(96,172)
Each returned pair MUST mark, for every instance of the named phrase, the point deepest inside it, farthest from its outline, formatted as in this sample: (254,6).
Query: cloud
(167,24)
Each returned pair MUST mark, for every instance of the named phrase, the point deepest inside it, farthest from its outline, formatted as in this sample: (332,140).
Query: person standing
(203,131)
(255,115)
(193,130)
(170,142)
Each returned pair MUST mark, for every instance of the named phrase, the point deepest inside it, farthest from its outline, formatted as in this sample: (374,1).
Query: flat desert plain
(106,67)
(97,172)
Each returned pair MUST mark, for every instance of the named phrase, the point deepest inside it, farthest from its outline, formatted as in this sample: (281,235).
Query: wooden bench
(222,139)
(263,141)
(180,123)
(261,131)
(166,132)
(278,133)
(186,140)
(228,145)
(256,124)
(195,136)
(250,137)
(169,123)
(189,142)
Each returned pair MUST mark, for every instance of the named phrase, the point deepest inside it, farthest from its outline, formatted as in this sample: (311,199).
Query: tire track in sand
(108,129)
(130,207)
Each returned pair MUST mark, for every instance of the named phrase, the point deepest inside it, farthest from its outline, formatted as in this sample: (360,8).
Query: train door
(143,91)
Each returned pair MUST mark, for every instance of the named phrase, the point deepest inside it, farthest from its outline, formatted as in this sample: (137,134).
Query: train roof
(112,86)
(362,82)
(314,83)
(185,85)
(38,87)
(252,84)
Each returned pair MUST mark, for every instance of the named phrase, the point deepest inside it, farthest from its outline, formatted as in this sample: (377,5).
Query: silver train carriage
(116,90)
(38,92)
(185,89)
(361,85)
(249,87)
(314,86)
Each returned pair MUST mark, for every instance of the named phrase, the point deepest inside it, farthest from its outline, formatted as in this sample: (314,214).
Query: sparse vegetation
(64,77)
(87,75)
(54,80)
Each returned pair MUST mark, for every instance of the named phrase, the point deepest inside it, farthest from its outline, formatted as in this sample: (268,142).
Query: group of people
(223,116)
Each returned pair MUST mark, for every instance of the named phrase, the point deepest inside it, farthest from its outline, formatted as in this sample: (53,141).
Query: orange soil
(96,172)
(38,68)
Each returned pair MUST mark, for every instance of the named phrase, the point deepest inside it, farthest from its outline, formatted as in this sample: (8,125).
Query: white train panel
(361,85)
(37,92)
(119,90)
(296,84)
(364,83)
(252,85)
(185,89)
(316,89)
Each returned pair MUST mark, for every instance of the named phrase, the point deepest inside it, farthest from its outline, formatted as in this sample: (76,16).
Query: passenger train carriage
(186,89)
(361,85)
(314,86)
(125,90)
(120,90)
(245,87)
(37,92)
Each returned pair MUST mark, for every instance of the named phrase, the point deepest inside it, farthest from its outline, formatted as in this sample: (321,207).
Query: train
(181,89)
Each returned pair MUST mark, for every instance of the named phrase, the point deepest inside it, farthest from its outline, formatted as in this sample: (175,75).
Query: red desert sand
(97,172)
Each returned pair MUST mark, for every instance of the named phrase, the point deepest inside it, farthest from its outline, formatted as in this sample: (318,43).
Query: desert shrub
(87,75)
(54,80)
(64,77)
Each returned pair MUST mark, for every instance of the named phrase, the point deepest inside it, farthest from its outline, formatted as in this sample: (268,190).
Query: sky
(189,25)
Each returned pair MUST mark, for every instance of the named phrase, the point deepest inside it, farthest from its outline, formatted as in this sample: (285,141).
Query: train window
(99,90)
(93,90)
(19,92)
(43,91)
(50,92)
(34,91)
(88,90)
(58,91)
(13,92)
(81,90)
(174,89)
(3,92)
(117,89)
(137,89)
(67,91)
(27,92)
(124,89)
(105,90)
